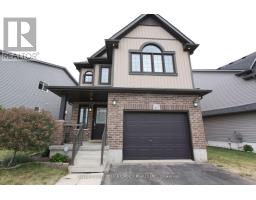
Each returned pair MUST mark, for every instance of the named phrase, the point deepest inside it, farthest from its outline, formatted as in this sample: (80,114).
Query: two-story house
(140,86)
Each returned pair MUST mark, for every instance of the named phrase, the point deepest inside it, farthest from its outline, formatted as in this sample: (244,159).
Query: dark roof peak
(144,19)
(244,63)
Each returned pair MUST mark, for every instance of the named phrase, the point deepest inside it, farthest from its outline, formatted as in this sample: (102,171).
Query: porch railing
(77,142)
(103,143)
(69,131)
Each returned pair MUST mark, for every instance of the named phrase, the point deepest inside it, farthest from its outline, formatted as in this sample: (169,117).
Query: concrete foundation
(200,155)
(115,156)
(231,145)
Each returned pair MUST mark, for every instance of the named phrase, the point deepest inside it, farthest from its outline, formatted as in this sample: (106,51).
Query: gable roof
(149,19)
(244,63)
(188,43)
(13,55)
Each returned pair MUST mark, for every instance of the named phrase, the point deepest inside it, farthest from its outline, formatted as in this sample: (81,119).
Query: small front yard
(242,163)
(31,174)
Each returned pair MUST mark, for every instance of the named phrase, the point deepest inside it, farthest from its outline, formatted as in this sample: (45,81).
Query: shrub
(20,158)
(46,152)
(59,158)
(248,148)
(24,129)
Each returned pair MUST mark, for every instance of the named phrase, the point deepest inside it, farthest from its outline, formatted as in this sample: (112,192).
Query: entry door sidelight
(100,115)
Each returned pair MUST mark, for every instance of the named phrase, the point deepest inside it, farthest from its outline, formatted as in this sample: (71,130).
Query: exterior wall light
(90,107)
(66,149)
(114,102)
(196,102)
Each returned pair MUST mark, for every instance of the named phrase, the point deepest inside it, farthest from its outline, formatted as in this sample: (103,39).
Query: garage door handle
(150,140)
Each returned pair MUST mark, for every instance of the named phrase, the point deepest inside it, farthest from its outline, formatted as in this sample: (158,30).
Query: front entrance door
(99,120)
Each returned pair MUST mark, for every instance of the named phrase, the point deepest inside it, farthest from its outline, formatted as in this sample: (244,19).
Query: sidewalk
(81,179)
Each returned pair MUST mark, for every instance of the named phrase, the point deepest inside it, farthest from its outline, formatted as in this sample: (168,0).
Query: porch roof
(100,93)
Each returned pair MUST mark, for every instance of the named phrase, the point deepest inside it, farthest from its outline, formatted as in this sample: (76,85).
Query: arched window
(150,48)
(88,77)
(151,59)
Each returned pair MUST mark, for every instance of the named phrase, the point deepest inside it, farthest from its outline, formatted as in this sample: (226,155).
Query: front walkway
(171,174)
(81,179)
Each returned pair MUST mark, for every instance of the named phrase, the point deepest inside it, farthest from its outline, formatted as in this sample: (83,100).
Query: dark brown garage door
(156,135)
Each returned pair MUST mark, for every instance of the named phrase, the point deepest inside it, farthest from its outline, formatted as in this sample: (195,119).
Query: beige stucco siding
(134,40)
(150,32)
(121,66)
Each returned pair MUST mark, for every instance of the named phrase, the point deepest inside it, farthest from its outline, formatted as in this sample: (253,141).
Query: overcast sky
(69,31)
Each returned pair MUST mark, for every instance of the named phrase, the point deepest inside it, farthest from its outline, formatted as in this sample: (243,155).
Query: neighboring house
(23,82)
(229,112)
(139,86)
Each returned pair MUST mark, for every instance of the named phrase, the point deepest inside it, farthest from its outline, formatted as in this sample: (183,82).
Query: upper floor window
(88,77)
(151,49)
(105,77)
(42,86)
(151,59)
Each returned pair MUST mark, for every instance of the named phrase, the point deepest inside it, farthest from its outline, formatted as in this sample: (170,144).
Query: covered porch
(89,109)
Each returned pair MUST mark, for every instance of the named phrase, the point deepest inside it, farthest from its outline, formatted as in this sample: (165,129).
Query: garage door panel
(156,136)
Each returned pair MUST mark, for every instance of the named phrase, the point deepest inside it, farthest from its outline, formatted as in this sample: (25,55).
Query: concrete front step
(88,159)
(92,148)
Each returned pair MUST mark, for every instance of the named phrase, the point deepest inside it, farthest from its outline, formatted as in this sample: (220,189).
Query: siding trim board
(237,109)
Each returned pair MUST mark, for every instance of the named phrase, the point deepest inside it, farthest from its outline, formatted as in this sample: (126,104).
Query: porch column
(63,104)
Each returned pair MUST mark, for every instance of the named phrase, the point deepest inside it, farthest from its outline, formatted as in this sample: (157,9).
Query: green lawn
(31,174)
(243,163)
(4,153)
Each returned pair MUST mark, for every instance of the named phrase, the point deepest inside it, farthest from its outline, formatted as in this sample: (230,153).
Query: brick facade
(126,101)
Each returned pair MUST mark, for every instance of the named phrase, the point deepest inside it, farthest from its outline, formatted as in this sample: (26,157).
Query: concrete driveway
(171,174)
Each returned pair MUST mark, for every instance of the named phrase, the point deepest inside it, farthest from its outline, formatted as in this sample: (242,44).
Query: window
(101,115)
(151,49)
(83,115)
(88,77)
(136,62)
(158,64)
(42,86)
(168,61)
(37,109)
(151,59)
(105,75)
(147,65)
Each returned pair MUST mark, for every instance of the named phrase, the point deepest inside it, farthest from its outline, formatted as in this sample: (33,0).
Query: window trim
(44,84)
(109,74)
(84,82)
(85,106)
(164,73)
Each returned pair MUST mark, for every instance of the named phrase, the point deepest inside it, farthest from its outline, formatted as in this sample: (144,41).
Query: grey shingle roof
(244,63)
